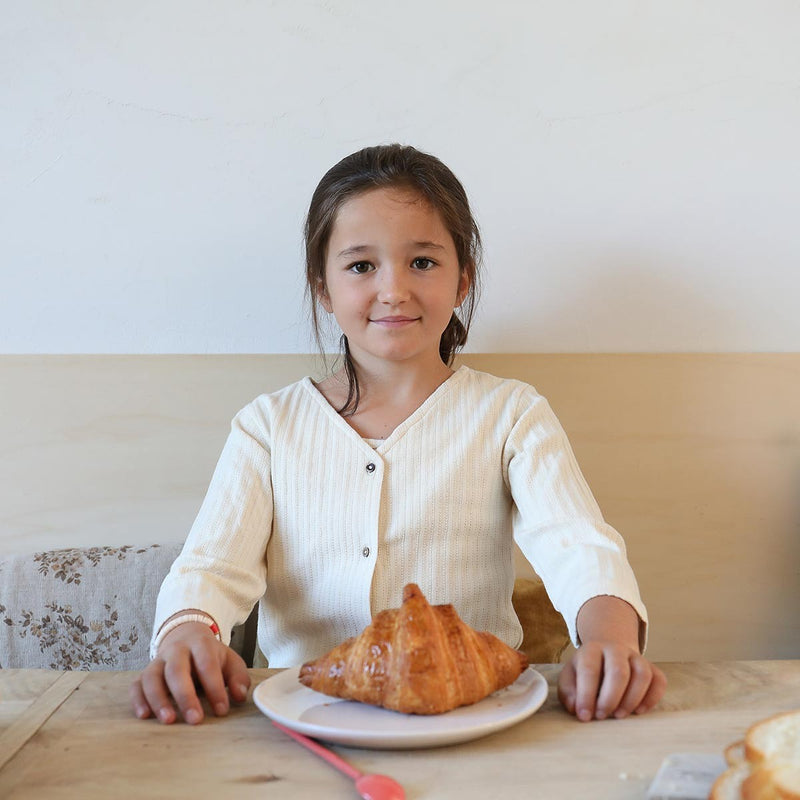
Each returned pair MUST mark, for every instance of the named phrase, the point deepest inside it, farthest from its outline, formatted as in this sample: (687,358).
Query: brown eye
(422,263)
(360,267)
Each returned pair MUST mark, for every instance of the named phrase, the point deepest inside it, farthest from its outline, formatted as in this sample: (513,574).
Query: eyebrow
(353,251)
(359,249)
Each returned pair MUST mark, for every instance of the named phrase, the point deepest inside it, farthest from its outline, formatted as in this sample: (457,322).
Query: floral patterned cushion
(83,608)
(92,608)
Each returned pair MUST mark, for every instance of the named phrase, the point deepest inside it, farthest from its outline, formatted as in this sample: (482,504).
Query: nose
(393,286)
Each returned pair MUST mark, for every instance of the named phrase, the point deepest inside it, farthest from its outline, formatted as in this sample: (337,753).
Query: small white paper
(686,776)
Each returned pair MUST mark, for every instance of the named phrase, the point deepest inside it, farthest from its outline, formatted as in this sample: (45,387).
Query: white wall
(634,165)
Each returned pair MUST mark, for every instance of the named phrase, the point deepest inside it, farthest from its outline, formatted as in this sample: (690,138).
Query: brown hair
(390,166)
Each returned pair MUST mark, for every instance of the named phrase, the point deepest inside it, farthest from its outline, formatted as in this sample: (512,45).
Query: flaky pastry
(416,659)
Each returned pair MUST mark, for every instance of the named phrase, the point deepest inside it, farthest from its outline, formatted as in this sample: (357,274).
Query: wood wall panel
(694,458)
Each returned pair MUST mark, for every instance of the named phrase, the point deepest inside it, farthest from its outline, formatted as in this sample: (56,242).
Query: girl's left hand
(609,679)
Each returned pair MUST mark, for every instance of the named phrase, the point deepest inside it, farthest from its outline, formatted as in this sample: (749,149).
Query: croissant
(417,659)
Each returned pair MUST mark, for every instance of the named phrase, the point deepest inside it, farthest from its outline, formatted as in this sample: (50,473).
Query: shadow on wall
(731,455)
(694,457)
(624,298)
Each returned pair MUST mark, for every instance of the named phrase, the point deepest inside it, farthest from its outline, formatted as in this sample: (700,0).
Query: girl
(329,497)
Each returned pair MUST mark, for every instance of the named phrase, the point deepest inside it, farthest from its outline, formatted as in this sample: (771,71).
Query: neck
(389,393)
(393,378)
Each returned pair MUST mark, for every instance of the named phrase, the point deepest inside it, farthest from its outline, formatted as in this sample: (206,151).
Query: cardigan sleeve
(222,567)
(557,523)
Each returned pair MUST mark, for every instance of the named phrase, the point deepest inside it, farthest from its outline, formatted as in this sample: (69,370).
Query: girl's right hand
(188,653)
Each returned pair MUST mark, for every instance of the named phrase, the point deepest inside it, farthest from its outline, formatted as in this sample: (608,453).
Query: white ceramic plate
(283,698)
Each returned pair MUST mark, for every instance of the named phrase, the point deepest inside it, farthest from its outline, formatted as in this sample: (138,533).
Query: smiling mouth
(394,322)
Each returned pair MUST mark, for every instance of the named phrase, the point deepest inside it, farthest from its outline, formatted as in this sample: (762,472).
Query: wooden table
(71,735)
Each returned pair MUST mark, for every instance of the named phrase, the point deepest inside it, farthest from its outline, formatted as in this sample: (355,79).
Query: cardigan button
(365,552)
(370,467)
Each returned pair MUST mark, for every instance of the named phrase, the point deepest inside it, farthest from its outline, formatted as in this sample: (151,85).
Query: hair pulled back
(383,167)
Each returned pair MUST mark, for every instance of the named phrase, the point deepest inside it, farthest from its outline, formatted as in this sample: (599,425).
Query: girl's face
(392,277)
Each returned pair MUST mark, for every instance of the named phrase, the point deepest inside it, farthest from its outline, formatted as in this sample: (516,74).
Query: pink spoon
(370,787)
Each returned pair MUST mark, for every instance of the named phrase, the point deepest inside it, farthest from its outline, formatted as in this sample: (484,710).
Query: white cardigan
(325,529)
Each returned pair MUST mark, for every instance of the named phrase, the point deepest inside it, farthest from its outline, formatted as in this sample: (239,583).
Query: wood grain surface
(92,747)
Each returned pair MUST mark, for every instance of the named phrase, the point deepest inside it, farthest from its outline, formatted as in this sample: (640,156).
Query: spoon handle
(321,751)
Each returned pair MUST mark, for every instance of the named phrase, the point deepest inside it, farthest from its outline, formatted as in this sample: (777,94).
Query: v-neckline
(400,430)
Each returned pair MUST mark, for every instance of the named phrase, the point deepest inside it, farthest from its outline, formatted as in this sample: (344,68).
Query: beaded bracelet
(180,619)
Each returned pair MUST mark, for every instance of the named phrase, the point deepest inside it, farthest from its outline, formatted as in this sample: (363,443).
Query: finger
(236,676)
(155,692)
(208,669)
(566,687)
(588,674)
(138,701)
(658,685)
(178,677)
(615,680)
(640,678)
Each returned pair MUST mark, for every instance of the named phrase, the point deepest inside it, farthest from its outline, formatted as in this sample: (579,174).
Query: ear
(463,288)
(323,297)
